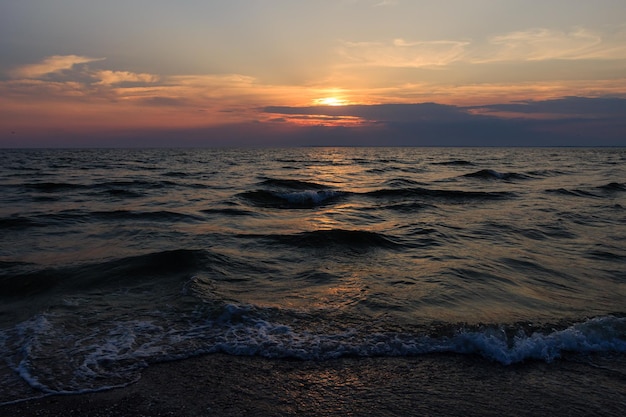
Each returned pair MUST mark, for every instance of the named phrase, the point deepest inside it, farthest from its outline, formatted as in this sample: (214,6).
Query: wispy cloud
(403,53)
(73,69)
(543,44)
(108,77)
(536,44)
(51,65)
(47,90)
(385,3)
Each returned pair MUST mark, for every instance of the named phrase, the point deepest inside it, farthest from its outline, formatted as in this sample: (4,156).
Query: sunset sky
(327,72)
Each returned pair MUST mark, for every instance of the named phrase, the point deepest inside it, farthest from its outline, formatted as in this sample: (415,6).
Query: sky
(315,73)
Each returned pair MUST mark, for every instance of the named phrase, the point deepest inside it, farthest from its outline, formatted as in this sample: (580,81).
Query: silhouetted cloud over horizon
(570,121)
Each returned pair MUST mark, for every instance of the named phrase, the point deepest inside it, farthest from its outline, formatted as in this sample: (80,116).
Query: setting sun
(330,101)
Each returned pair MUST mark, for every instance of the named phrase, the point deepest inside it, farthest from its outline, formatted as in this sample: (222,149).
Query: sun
(330,101)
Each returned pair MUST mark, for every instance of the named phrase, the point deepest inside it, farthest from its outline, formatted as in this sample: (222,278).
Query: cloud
(535,44)
(567,107)
(541,44)
(38,90)
(427,124)
(401,53)
(213,84)
(371,115)
(385,3)
(67,78)
(64,82)
(50,65)
(379,113)
(163,101)
(67,92)
(566,121)
(108,77)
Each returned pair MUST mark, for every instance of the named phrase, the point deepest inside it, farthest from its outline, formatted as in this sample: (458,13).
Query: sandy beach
(442,385)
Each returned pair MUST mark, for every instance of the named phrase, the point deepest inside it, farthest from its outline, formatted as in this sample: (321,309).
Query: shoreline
(435,384)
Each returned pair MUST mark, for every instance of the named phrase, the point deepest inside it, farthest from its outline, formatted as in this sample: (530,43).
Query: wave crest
(111,353)
(490,174)
(291,200)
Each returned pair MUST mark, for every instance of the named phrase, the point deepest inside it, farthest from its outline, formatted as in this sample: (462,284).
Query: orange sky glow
(85,86)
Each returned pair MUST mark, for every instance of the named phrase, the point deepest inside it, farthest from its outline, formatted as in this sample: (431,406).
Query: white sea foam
(113,355)
(602,334)
(249,336)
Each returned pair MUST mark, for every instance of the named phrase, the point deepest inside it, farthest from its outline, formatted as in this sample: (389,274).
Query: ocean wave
(158,263)
(606,255)
(442,194)
(134,185)
(399,183)
(16,282)
(73,217)
(121,193)
(546,173)
(546,232)
(380,171)
(572,193)
(177,174)
(229,211)
(53,359)
(490,174)
(149,216)
(17,223)
(455,162)
(292,184)
(91,289)
(601,334)
(122,188)
(496,343)
(30,279)
(52,187)
(291,200)
(408,207)
(291,194)
(332,238)
(613,186)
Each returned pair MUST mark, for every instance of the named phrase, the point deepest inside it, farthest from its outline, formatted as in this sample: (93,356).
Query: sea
(114,260)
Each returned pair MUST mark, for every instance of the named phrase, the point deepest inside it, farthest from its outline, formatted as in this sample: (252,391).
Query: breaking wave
(111,354)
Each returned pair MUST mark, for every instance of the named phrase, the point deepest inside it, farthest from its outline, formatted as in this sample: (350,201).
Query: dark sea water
(113,260)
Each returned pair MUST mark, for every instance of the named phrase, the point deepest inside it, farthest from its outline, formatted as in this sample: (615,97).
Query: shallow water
(114,259)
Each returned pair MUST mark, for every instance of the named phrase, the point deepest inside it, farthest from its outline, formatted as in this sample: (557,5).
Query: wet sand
(431,385)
